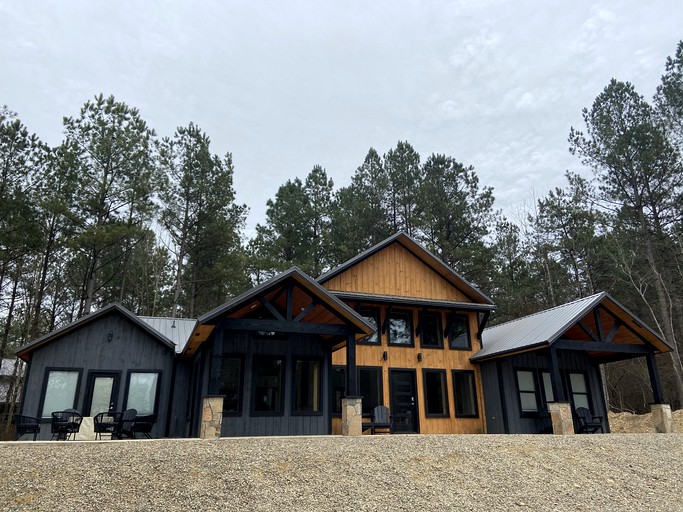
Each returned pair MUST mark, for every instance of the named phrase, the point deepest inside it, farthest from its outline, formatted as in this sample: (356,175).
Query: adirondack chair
(127,424)
(26,425)
(586,422)
(381,419)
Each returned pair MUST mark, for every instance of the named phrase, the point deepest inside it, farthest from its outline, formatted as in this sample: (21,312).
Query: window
(577,381)
(60,391)
(230,384)
(143,388)
(526,384)
(372,317)
(465,394)
(268,376)
(370,387)
(400,328)
(547,388)
(436,393)
(307,386)
(338,388)
(459,332)
(430,330)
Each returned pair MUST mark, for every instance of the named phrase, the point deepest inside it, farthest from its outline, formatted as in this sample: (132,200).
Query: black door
(403,400)
(102,393)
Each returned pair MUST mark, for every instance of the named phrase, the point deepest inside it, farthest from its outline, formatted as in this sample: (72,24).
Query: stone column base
(561,417)
(212,417)
(662,419)
(352,416)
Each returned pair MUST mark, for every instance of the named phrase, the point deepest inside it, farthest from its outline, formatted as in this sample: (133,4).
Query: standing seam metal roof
(178,330)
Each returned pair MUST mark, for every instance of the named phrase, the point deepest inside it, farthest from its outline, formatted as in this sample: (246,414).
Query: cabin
(394,326)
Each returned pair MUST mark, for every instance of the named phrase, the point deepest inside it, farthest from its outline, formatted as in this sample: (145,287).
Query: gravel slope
(463,472)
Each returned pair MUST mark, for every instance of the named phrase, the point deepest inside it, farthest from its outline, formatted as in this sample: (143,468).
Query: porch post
(657,396)
(352,405)
(212,417)
(558,390)
(661,412)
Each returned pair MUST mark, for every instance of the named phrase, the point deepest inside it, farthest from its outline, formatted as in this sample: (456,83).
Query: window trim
(375,311)
(92,375)
(534,377)
(439,329)
(409,313)
(160,373)
(449,322)
(473,379)
(43,392)
(381,382)
(321,390)
(240,396)
(444,383)
(283,387)
(380,369)
(586,380)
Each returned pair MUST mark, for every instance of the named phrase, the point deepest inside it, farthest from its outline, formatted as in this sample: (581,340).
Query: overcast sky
(287,85)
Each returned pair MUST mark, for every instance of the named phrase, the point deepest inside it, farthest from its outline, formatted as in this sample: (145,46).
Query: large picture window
(230,383)
(370,387)
(577,382)
(337,388)
(436,393)
(430,330)
(528,397)
(401,328)
(268,378)
(143,388)
(465,394)
(459,332)
(60,391)
(307,380)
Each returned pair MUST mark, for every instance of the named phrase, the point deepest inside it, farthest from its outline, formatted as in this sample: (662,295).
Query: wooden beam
(284,326)
(657,395)
(482,324)
(266,303)
(598,322)
(613,331)
(587,330)
(556,381)
(306,311)
(351,377)
(289,302)
(600,346)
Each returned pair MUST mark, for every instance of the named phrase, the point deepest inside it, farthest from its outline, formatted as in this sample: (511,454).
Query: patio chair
(143,425)
(586,422)
(65,423)
(127,424)
(26,425)
(381,419)
(107,423)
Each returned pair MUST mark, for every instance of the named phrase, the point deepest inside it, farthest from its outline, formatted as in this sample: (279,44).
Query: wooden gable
(394,270)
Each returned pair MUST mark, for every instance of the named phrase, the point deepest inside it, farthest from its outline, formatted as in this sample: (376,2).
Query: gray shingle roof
(540,328)
(178,330)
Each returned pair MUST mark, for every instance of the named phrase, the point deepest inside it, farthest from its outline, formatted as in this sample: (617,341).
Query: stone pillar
(352,416)
(662,419)
(212,417)
(561,417)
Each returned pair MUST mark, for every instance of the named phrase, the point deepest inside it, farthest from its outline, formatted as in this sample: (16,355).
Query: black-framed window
(528,391)
(547,384)
(230,383)
(401,328)
(142,391)
(370,387)
(372,316)
(268,376)
(579,388)
(60,390)
(431,335)
(436,393)
(465,394)
(337,388)
(459,332)
(307,386)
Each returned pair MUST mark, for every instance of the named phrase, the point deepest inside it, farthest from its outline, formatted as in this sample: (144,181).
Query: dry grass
(627,423)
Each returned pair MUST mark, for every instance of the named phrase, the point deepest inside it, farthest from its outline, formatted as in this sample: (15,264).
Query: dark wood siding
(503,380)
(88,349)
(248,345)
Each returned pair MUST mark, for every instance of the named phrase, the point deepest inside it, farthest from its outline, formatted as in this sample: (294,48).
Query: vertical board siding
(87,348)
(396,271)
(437,358)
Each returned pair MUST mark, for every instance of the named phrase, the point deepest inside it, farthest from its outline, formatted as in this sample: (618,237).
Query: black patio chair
(26,425)
(586,422)
(65,423)
(143,425)
(381,419)
(107,423)
(127,424)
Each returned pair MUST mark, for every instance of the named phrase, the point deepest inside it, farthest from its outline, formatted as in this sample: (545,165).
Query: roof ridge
(547,310)
(167,317)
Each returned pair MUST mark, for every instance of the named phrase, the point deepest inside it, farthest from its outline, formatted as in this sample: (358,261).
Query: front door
(102,393)
(403,400)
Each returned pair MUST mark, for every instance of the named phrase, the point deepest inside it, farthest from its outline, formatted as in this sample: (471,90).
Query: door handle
(412,400)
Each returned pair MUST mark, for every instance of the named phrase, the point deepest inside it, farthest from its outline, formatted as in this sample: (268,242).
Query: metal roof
(178,330)
(540,328)
(410,301)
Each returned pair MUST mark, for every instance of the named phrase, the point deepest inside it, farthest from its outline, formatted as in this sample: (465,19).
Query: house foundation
(662,418)
(561,418)
(352,416)
(212,417)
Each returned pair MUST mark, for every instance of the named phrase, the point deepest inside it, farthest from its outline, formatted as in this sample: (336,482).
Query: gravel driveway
(450,472)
